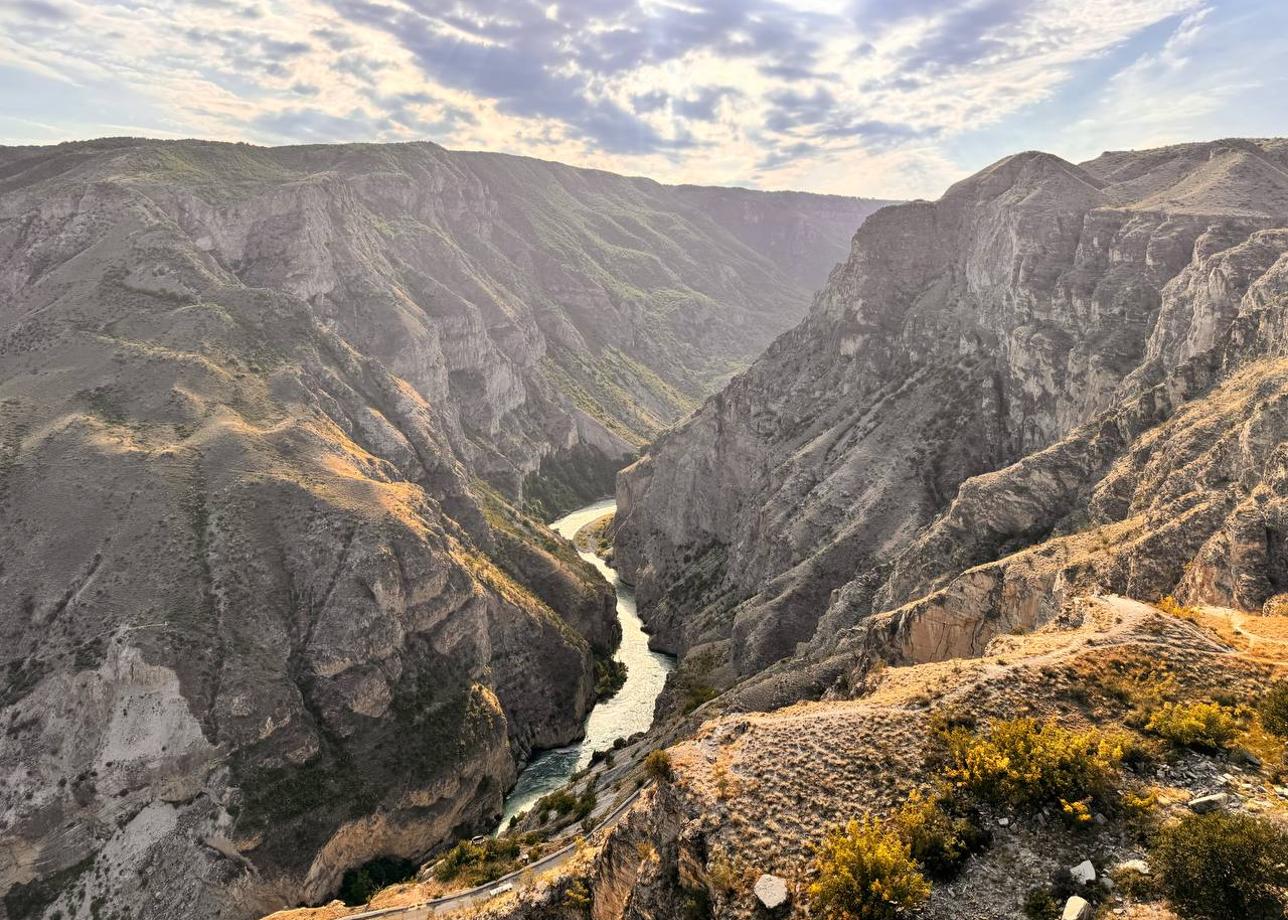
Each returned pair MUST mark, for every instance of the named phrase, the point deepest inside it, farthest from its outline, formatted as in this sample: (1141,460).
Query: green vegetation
(1203,725)
(1274,709)
(359,885)
(939,841)
(1223,865)
(694,694)
(1023,762)
(865,872)
(1041,904)
(30,899)
(658,766)
(564,803)
(473,864)
(610,675)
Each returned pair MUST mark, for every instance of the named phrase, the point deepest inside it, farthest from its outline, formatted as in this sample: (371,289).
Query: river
(629,711)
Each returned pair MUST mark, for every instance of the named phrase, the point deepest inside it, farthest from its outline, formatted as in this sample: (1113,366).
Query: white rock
(1084,873)
(771,891)
(1206,803)
(1138,866)
(1004,822)
(1076,908)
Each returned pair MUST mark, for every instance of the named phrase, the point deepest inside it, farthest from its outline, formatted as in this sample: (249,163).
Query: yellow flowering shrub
(1020,762)
(865,872)
(1077,813)
(940,841)
(1202,725)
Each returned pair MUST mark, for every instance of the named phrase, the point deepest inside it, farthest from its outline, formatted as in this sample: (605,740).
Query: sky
(885,98)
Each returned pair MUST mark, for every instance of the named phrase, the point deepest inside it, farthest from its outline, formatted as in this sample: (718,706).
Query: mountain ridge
(963,341)
(274,425)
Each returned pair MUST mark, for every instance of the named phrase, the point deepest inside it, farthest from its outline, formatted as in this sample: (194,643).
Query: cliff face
(1062,373)
(269,607)
(566,315)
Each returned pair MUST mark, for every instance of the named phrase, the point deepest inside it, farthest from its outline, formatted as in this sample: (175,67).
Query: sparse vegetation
(694,695)
(359,885)
(658,765)
(1224,865)
(865,872)
(470,863)
(565,803)
(1274,709)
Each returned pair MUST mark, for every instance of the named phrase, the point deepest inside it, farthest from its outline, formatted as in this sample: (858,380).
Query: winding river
(629,711)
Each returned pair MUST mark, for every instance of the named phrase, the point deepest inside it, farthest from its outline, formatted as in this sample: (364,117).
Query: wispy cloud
(870,96)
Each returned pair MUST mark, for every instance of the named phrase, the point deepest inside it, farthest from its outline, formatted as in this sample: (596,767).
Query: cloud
(889,97)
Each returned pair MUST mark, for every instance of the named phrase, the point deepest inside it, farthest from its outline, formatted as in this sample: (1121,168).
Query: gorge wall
(268,423)
(1057,378)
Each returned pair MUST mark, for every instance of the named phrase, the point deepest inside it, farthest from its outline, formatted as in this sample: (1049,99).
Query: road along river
(629,711)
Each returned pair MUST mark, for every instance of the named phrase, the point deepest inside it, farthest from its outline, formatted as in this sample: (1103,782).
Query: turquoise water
(628,712)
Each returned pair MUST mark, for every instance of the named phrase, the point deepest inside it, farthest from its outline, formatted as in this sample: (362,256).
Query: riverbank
(627,712)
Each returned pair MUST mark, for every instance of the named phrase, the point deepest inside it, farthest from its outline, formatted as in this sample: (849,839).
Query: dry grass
(802,770)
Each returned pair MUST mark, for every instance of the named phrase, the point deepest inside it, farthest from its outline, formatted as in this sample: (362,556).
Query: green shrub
(610,676)
(940,842)
(1203,725)
(694,695)
(476,863)
(359,885)
(1023,762)
(1274,709)
(864,872)
(1223,865)
(658,765)
(564,802)
(1040,904)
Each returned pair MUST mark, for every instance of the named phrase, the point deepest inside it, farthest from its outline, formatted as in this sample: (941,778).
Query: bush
(1040,904)
(1201,725)
(564,802)
(658,765)
(864,872)
(477,863)
(1274,709)
(1224,865)
(360,884)
(940,842)
(1023,762)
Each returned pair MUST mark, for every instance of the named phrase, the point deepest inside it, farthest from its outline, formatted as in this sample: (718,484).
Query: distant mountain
(1057,379)
(267,421)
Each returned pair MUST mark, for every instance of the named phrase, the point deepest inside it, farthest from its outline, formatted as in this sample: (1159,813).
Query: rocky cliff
(267,417)
(1057,378)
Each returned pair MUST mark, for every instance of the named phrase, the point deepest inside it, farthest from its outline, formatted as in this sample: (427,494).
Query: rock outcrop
(1056,379)
(269,608)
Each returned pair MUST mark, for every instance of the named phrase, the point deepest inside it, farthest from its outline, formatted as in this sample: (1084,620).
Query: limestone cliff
(1056,378)
(268,606)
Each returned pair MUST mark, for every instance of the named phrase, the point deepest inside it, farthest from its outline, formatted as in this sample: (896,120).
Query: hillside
(269,421)
(1056,379)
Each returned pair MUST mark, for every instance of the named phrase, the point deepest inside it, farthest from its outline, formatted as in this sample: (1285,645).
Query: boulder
(1206,803)
(771,891)
(1084,873)
(1076,908)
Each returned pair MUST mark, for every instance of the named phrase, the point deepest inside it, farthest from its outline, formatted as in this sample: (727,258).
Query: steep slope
(269,607)
(1081,359)
(568,314)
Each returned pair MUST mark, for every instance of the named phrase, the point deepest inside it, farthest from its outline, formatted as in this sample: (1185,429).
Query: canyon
(1058,378)
(279,428)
